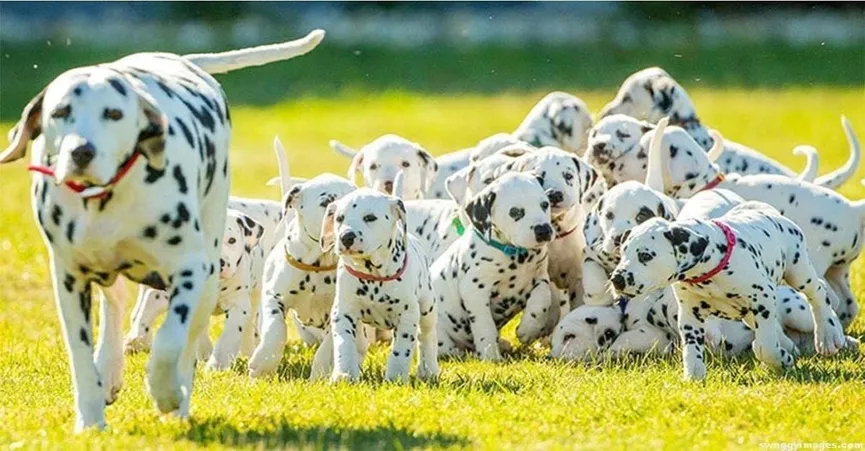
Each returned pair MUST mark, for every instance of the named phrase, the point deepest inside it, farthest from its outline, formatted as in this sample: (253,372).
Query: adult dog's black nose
(543,233)
(347,238)
(83,155)
(618,281)
(556,197)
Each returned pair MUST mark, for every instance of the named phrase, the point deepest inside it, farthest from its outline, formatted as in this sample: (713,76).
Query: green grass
(526,402)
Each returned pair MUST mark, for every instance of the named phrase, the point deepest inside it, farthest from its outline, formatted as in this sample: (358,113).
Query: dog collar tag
(458,225)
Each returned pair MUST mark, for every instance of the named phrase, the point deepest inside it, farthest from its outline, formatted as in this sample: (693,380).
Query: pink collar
(715,182)
(370,277)
(731,244)
(96,192)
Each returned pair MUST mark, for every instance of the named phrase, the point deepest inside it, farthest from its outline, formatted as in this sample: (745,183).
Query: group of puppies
(642,232)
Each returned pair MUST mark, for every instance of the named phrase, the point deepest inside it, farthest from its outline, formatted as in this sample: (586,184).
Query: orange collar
(717,181)
(305,267)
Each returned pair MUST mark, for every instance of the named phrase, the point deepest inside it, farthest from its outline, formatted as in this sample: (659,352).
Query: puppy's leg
(322,363)
(365,338)
(594,283)
(828,335)
(484,331)
(73,297)
(267,355)
(693,335)
(150,304)
(839,279)
(306,334)
(109,350)
(203,347)
(228,345)
(534,324)
(428,367)
(446,346)
(763,320)
(250,337)
(402,348)
(169,370)
(344,330)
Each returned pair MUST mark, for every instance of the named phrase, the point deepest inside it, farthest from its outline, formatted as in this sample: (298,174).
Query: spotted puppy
(731,268)
(299,276)
(832,224)
(381,160)
(117,147)
(652,93)
(241,262)
(497,269)
(382,280)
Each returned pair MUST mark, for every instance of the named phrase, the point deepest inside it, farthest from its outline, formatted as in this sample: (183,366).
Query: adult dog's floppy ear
(480,213)
(152,125)
(28,128)
(656,164)
(252,230)
(431,168)
(356,164)
(326,239)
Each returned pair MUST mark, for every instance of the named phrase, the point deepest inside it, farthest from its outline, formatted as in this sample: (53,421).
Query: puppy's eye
(340,218)
(62,113)
(609,215)
(568,176)
(545,205)
(373,167)
(516,213)
(112,114)
(487,181)
(232,240)
(406,164)
(369,218)
(644,257)
(622,135)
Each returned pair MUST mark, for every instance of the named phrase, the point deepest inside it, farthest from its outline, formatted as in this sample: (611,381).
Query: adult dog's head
(363,222)
(89,121)
(513,209)
(381,160)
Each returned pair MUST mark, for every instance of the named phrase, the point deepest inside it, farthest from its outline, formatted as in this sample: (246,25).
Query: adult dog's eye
(373,167)
(644,257)
(369,218)
(112,114)
(62,113)
(545,205)
(516,213)
(340,218)
(622,135)
(232,240)
(406,164)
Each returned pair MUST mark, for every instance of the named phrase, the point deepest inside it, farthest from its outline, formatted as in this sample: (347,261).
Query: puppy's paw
(773,354)
(136,344)
(428,372)
(695,372)
(829,338)
(262,363)
(218,363)
(338,377)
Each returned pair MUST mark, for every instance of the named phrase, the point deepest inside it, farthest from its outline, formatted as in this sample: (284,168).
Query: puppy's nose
(83,155)
(347,239)
(618,281)
(543,233)
(388,186)
(556,197)
(599,148)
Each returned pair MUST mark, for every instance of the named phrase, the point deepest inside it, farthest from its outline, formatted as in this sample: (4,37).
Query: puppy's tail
(285,182)
(837,178)
(811,165)
(342,149)
(655,170)
(220,63)
(398,184)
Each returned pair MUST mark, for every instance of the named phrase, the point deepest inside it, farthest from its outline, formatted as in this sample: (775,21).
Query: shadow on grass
(281,434)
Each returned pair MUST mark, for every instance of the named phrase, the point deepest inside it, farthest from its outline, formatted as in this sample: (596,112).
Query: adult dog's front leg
(693,335)
(535,321)
(344,330)
(192,299)
(404,342)
(109,350)
(73,297)
(228,345)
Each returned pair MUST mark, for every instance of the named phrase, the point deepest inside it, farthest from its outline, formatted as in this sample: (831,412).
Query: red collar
(92,192)
(370,277)
(717,181)
(731,244)
(567,233)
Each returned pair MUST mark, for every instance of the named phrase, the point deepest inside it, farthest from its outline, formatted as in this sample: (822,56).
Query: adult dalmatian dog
(651,94)
(832,224)
(731,268)
(497,269)
(117,148)
(382,280)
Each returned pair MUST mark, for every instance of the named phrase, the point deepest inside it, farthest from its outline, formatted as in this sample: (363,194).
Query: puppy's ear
(597,186)
(293,198)
(252,230)
(677,235)
(646,126)
(480,210)
(457,184)
(429,166)
(28,128)
(397,207)
(326,238)
(152,125)
(356,164)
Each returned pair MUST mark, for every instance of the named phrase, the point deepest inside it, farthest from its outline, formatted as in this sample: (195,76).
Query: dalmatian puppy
(382,280)
(241,261)
(652,93)
(832,224)
(496,269)
(559,120)
(116,148)
(298,275)
(384,157)
(731,268)
(453,162)
(615,148)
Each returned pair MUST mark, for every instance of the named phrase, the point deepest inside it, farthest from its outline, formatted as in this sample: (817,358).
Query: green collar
(458,225)
(507,249)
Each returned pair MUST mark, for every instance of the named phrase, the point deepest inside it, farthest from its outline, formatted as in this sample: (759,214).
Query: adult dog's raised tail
(220,63)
